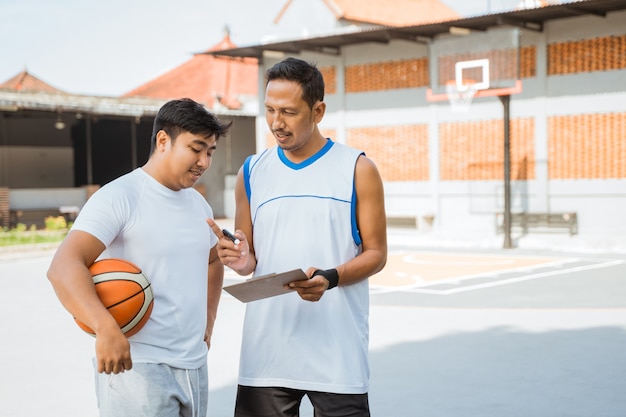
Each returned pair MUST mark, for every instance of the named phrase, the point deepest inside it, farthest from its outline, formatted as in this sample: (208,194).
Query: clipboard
(265,286)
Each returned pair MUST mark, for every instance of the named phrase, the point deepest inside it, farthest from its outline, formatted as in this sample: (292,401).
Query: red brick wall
(400,152)
(503,64)
(475,150)
(528,62)
(4,207)
(587,146)
(389,75)
(414,73)
(330,79)
(590,146)
(587,55)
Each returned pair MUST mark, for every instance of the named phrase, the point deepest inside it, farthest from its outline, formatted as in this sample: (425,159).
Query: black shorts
(285,402)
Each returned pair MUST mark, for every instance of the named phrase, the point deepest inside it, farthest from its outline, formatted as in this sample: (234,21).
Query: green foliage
(21,234)
(55,223)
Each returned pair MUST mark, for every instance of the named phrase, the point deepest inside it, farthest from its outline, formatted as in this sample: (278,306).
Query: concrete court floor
(509,335)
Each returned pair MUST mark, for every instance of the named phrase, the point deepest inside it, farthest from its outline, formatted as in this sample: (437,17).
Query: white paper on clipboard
(264,286)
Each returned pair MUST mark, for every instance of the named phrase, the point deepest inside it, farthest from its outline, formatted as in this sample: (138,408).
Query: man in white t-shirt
(153,218)
(317,205)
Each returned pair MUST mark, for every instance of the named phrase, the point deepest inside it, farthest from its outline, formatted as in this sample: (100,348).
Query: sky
(109,47)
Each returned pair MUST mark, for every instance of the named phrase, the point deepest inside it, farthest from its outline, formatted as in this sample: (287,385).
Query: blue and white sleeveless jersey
(304,215)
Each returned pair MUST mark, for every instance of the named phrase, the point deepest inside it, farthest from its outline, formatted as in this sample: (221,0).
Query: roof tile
(27,82)
(394,12)
(206,79)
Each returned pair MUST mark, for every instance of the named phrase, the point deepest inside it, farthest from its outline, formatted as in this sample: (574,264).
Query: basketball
(125,292)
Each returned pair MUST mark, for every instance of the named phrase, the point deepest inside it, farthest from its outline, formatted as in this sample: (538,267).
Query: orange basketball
(125,292)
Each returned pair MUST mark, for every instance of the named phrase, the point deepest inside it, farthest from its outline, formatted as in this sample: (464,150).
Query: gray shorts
(153,390)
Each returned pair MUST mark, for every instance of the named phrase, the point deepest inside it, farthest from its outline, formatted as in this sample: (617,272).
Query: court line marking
(422,288)
(457,279)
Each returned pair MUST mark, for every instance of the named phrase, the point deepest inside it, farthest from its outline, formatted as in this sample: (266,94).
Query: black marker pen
(231,236)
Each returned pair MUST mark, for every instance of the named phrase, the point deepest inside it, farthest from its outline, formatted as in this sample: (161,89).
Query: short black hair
(186,115)
(304,73)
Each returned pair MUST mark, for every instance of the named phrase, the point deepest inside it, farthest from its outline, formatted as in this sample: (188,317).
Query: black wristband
(331,275)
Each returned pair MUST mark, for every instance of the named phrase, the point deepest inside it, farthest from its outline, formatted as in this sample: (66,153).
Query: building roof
(27,82)
(392,12)
(212,81)
(530,19)
(385,13)
(15,101)
(24,91)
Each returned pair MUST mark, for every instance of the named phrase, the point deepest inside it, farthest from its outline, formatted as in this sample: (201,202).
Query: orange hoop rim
(463,87)
(492,92)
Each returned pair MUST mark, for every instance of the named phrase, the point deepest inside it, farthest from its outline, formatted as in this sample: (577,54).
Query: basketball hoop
(461,95)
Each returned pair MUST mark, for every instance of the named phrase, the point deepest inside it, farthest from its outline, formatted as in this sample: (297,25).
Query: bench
(417,221)
(402,221)
(527,221)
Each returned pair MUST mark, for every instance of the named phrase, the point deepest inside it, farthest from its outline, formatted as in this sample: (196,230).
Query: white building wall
(470,206)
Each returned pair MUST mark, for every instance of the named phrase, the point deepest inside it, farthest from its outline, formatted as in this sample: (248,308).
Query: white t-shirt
(304,215)
(165,233)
